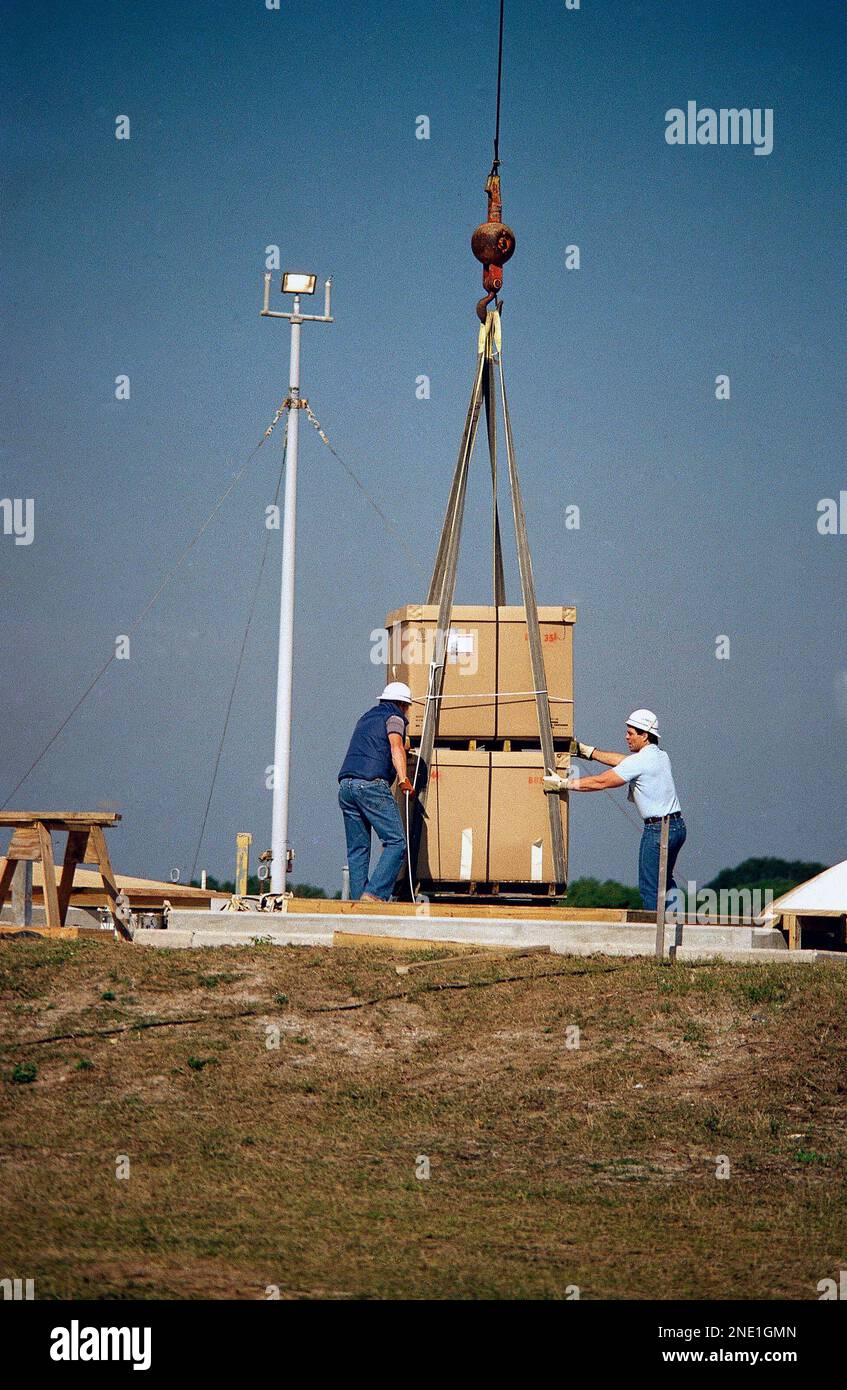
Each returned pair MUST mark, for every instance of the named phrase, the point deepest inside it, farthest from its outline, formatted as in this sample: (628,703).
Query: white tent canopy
(826,894)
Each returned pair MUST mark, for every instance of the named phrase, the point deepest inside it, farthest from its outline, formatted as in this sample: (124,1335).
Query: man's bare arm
(610,759)
(598,783)
(398,755)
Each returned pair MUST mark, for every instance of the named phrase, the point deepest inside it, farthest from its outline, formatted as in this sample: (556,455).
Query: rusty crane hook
(493,243)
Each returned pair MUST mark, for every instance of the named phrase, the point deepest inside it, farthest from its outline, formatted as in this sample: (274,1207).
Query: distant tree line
(778,875)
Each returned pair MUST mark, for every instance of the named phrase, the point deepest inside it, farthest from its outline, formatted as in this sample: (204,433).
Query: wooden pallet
(458,891)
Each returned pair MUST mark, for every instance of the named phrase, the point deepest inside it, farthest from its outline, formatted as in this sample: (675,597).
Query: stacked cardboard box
(487,818)
(487,652)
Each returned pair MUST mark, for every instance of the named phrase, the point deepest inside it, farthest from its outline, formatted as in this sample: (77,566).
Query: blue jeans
(648,861)
(368,806)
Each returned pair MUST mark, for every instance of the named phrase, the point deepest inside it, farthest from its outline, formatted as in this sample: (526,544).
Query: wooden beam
(795,934)
(7,873)
(523,911)
(22,893)
(140,902)
(48,869)
(55,819)
(76,847)
(25,844)
(110,887)
(399,943)
(483,953)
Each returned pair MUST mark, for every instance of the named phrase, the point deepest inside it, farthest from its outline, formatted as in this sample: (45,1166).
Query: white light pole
(296,285)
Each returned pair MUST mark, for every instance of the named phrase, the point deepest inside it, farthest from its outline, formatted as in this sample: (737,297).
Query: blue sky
(296,128)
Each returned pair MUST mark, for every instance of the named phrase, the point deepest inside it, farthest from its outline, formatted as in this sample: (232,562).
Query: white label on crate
(537,861)
(459,645)
(466,860)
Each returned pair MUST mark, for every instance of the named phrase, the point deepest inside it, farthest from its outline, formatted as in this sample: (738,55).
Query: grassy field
(294,1166)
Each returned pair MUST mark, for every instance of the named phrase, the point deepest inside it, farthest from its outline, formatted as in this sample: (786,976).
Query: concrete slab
(761,957)
(568,938)
(564,938)
(213,929)
(755,945)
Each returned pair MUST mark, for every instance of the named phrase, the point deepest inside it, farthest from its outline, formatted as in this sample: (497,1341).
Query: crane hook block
(493,243)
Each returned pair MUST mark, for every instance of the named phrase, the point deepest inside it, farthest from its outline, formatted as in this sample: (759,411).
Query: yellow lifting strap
(490,334)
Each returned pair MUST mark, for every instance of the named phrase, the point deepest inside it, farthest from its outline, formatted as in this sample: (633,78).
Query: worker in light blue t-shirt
(647,771)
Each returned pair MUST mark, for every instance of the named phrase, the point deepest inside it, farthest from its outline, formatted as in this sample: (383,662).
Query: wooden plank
(526,912)
(110,887)
(51,897)
(482,953)
(74,849)
(22,893)
(795,935)
(58,818)
(89,880)
(7,873)
(25,844)
(483,911)
(49,870)
(402,943)
(139,902)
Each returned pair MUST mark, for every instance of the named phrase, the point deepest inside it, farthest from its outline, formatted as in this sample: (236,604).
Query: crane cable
(240,660)
(178,565)
(386,521)
(143,614)
(496,163)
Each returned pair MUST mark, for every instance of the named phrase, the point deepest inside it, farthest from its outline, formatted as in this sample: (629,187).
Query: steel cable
(143,614)
(240,660)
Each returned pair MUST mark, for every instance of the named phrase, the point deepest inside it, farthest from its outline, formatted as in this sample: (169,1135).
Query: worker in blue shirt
(647,771)
(377,754)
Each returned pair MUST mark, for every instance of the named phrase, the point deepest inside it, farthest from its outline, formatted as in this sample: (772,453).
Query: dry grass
(550,1166)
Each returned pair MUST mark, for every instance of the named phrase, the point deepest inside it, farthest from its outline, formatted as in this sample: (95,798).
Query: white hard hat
(398,692)
(645,720)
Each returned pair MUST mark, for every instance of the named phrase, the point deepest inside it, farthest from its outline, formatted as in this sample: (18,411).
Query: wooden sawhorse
(31,831)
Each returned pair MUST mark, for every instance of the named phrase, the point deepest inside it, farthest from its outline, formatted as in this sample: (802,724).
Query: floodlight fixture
(295,283)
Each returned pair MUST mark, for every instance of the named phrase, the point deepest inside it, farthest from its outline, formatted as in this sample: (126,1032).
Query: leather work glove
(585,750)
(553,782)
(406,786)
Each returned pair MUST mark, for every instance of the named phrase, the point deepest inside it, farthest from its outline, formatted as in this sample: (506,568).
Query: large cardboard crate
(520,848)
(488,689)
(487,818)
(468,707)
(516,714)
(454,840)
